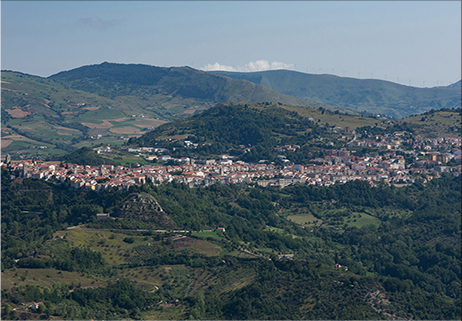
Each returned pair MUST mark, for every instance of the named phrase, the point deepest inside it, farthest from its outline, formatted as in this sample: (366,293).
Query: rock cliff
(144,206)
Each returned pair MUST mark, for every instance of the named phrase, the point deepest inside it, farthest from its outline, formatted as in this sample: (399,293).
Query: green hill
(110,103)
(435,123)
(254,132)
(250,131)
(369,95)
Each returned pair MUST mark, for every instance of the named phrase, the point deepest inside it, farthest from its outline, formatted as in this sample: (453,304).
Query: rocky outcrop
(144,206)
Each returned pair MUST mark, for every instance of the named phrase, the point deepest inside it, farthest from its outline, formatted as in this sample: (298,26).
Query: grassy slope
(435,124)
(331,118)
(195,125)
(123,100)
(186,281)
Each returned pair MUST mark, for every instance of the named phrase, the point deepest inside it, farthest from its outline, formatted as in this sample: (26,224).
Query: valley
(138,192)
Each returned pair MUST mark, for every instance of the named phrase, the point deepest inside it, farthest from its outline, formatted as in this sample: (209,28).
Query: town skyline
(338,166)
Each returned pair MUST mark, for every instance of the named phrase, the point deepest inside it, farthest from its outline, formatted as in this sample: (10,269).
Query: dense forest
(362,252)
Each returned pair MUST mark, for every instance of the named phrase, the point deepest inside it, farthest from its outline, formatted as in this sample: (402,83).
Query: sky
(416,43)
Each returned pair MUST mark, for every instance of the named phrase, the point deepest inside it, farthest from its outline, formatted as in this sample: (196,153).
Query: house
(226,162)
(35,306)
(151,157)
(101,216)
(338,266)
(102,149)
(140,179)
(221,229)
(286,256)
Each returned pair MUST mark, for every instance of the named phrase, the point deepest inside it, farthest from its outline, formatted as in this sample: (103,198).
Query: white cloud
(217,66)
(259,65)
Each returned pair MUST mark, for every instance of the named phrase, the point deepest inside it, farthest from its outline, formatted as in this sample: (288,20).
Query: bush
(129,240)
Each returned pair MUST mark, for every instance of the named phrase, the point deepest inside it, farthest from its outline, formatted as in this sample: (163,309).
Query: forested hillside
(231,128)
(359,252)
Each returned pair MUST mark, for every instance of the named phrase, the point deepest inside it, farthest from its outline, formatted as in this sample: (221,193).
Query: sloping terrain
(254,132)
(172,90)
(405,266)
(369,95)
(456,85)
(109,103)
(41,117)
(432,124)
(145,207)
(232,128)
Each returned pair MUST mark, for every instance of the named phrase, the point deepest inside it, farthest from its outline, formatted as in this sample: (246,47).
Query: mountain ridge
(370,95)
(116,80)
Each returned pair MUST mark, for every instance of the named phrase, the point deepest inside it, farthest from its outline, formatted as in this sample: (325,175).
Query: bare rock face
(145,206)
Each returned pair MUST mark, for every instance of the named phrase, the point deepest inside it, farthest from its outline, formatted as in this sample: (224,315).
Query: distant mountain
(110,103)
(173,92)
(371,95)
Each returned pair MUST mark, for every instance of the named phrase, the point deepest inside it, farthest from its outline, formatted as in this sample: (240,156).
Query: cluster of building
(403,140)
(338,166)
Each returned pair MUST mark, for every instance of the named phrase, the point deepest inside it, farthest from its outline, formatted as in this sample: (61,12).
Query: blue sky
(414,43)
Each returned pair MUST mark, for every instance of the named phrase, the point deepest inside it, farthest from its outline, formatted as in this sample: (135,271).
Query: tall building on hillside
(24,170)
